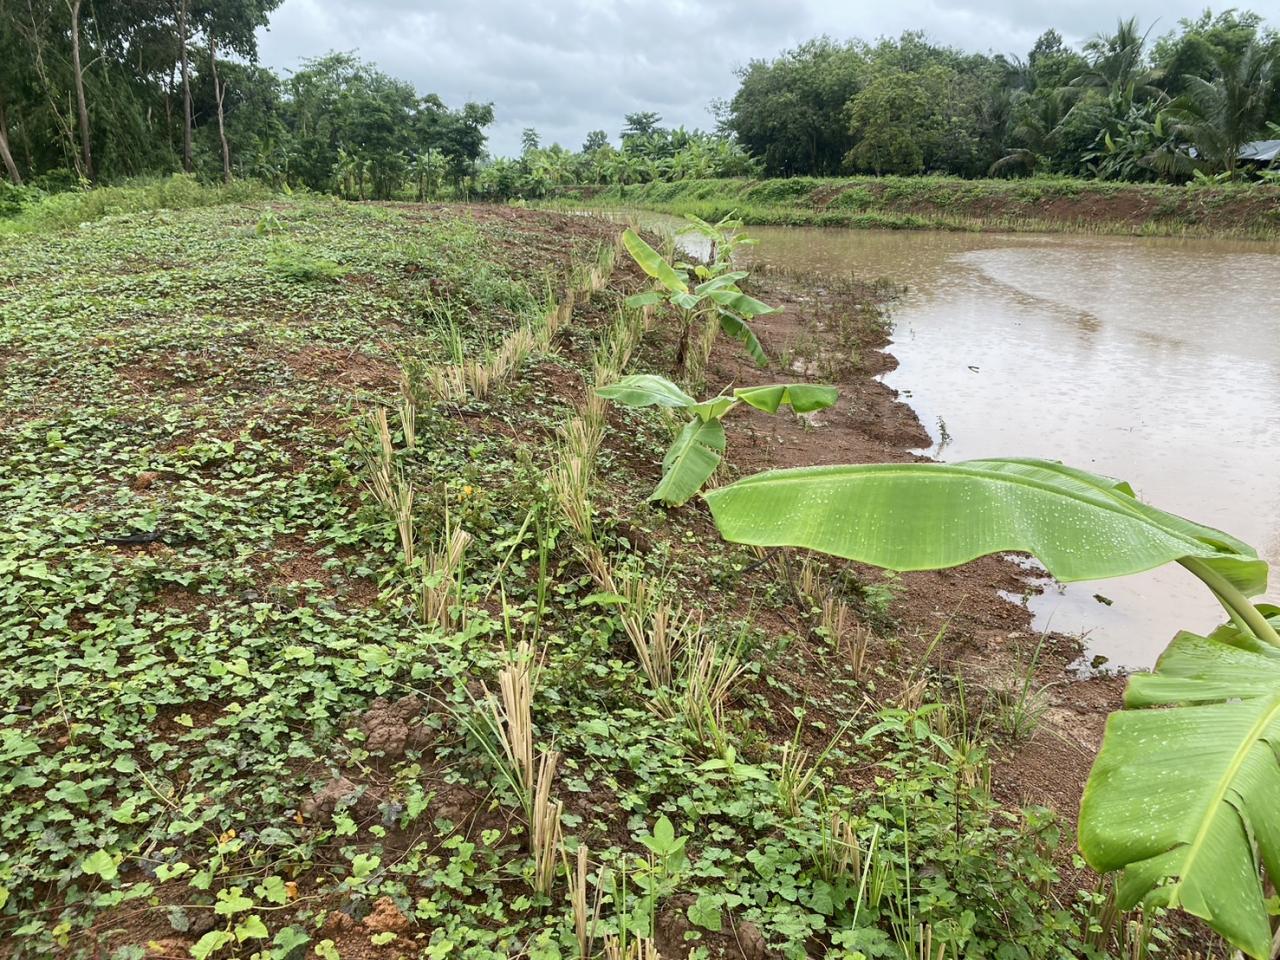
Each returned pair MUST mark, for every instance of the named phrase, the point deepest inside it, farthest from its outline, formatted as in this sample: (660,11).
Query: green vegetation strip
(223,725)
(1247,211)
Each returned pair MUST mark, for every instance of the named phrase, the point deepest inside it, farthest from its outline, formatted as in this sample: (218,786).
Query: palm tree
(1035,121)
(1217,117)
(1118,65)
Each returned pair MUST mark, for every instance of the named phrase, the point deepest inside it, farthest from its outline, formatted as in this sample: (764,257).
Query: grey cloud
(569,66)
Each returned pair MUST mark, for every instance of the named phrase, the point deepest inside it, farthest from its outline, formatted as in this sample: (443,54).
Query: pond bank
(957,626)
(1245,211)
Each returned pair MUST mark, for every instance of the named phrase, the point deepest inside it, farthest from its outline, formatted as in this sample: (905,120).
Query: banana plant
(1184,796)
(724,238)
(733,308)
(699,447)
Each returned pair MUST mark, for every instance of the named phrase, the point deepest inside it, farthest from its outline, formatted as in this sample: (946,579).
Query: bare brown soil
(988,640)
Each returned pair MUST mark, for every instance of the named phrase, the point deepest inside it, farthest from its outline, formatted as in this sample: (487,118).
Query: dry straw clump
(385,480)
(510,716)
(440,580)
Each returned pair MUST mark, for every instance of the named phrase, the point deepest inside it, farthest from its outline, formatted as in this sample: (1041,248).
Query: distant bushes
(31,210)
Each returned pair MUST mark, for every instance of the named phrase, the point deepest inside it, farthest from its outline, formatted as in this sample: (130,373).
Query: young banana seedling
(717,298)
(699,447)
(724,238)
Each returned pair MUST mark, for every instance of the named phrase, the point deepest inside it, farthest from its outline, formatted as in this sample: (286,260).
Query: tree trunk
(186,86)
(5,155)
(81,106)
(219,91)
(35,32)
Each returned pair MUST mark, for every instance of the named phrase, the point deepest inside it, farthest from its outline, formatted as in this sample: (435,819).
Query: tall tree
(596,140)
(10,57)
(791,111)
(5,153)
(219,93)
(183,23)
(1118,65)
(640,124)
(82,106)
(234,25)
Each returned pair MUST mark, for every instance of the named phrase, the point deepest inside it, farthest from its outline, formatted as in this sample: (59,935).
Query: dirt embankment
(1249,211)
(988,642)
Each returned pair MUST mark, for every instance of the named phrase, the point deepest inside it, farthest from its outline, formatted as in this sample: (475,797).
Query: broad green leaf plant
(716,299)
(699,447)
(1184,796)
(725,238)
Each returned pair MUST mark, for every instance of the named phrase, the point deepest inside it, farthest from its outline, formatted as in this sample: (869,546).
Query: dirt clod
(391,726)
(671,927)
(386,918)
(751,942)
(338,792)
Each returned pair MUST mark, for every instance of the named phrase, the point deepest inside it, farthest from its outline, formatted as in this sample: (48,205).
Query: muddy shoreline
(987,639)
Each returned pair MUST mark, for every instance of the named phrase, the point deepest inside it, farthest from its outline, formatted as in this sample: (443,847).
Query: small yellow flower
(290,889)
(467,491)
(228,836)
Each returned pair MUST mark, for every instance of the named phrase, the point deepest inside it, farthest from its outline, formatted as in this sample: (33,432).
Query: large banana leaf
(733,300)
(649,390)
(1185,794)
(652,263)
(722,282)
(926,516)
(801,397)
(690,461)
(646,390)
(1180,798)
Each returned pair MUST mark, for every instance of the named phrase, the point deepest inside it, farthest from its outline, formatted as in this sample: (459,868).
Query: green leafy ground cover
(224,733)
(1249,211)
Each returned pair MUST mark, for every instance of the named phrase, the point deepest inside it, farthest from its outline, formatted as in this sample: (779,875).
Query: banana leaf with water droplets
(1186,786)
(926,516)
(1180,797)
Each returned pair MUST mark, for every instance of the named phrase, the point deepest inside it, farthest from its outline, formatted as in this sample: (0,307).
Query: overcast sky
(569,66)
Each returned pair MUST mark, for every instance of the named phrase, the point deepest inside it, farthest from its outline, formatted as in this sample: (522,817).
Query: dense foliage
(102,92)
(1123,107)
(649,153)
(107,91)
(235,734)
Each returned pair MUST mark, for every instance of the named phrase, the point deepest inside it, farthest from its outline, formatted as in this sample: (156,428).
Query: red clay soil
(989,639)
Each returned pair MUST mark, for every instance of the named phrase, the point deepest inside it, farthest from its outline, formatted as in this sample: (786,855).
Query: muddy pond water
(1153,360)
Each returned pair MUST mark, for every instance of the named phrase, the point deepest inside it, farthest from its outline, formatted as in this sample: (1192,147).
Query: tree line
(94,90)
(1124,106)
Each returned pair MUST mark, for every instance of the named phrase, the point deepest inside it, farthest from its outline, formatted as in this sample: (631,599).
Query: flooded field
(1153,360)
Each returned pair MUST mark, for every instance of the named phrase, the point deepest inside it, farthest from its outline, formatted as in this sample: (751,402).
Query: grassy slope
(1250,211)
(174,709)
